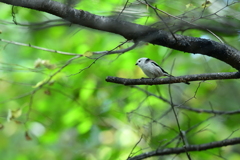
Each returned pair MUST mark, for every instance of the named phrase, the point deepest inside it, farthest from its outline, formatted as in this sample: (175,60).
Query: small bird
(152,69)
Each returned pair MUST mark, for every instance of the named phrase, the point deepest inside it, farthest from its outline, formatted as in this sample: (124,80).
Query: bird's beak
(136,64)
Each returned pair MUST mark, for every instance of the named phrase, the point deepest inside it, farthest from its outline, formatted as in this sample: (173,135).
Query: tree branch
(40,48)
(135,32)
(181,106)
(201,147)
(188,78)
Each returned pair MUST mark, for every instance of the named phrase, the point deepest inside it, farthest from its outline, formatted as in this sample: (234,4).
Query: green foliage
(78,115)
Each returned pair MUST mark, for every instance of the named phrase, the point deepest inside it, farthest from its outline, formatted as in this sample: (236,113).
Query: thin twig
(181,106)
(185,21)
(47,82)
(125,6)
(178,124)
(135,147)
(40,48)
(118,51)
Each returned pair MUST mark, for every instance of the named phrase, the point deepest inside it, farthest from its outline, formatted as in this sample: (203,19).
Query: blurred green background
(80,115)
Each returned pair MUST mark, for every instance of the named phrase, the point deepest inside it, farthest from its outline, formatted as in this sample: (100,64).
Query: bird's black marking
(159,67)
(147,60)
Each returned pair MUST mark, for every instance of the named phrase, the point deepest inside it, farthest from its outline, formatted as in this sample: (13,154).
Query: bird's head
(141,61)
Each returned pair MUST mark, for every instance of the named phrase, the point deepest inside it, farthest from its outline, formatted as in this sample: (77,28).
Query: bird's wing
(154,63)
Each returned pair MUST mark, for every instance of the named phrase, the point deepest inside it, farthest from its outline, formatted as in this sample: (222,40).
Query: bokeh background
(78,115)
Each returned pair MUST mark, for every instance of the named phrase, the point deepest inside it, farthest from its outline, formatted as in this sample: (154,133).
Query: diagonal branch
(200,147)
(188,78)
(135,32)
(40,48)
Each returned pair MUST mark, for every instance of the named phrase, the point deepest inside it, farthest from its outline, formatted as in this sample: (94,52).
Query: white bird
(152,69)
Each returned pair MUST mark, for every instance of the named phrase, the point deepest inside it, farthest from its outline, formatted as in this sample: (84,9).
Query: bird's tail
(169,75)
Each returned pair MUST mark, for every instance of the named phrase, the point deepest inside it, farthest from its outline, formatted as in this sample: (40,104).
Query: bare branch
(181,106)
(118,51)
(122,9)
(135,146)
(209,111)
(47,82)
(40,48)
(155,8)
(104,53)
(189,148)
(170,80)
(135,32)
